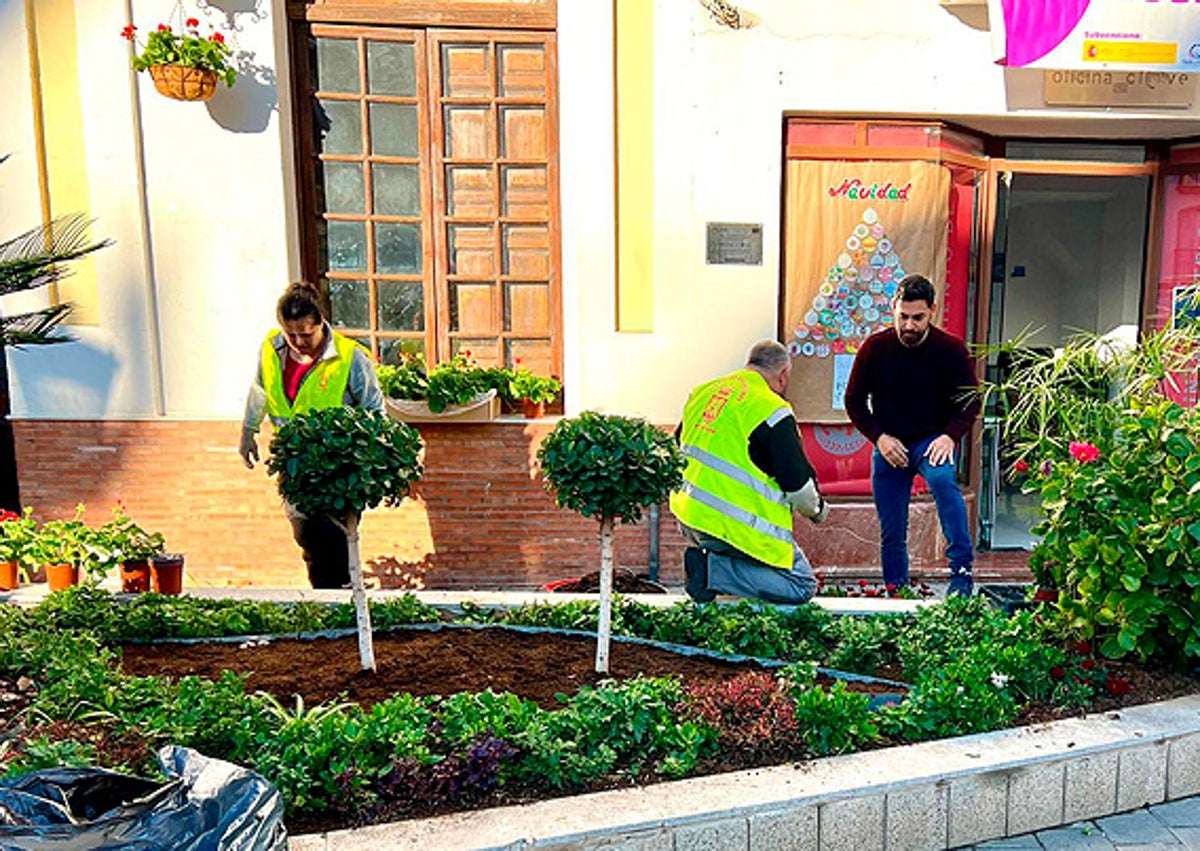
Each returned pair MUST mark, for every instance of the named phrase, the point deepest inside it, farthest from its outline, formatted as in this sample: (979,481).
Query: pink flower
(1021,466)
(191,23)
(1083,451)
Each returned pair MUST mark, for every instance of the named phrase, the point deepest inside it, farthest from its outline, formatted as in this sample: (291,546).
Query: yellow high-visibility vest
(323,387)
(724,493)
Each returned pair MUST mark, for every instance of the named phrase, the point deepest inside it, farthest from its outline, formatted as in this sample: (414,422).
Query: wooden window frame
(438,339)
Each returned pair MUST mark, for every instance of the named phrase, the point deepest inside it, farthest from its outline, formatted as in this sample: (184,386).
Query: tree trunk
(362,612)
(604,629)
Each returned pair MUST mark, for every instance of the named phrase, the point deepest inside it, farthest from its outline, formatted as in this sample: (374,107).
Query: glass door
(1068,257)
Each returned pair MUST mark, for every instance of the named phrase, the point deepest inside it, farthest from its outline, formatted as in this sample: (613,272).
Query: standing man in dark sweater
(911,394)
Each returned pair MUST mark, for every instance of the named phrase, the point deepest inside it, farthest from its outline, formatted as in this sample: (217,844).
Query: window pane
(394,129)
(472,308)
(391,349)
(338,127)
(349,303)
(346,246)
(397,248)
(397,190)
(344,191)
(391,69)
(524,135)
(401,306)
(337,65)
(526,195)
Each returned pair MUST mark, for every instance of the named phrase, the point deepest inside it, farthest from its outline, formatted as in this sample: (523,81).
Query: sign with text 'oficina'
(1162,35)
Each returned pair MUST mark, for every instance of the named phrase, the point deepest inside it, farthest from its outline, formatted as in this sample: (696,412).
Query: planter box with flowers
(459,390)
(184,66)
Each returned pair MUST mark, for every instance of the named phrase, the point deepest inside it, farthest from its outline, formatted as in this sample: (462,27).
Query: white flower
(999,680)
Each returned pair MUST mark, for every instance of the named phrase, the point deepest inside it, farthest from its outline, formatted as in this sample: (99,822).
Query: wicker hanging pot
(183,83)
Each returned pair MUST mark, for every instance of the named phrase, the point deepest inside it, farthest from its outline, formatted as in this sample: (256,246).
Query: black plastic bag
(207,804)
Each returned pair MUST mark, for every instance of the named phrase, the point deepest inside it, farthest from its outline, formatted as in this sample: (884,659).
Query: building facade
(626,194)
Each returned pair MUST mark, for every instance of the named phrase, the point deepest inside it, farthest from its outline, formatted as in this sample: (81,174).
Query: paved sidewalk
(1172,826)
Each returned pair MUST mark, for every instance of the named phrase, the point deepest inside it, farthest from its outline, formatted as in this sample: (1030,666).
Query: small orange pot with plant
(16,533)
(132,547)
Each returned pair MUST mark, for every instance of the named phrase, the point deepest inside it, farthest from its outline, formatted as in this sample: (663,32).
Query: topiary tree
(335,462)
(609,467)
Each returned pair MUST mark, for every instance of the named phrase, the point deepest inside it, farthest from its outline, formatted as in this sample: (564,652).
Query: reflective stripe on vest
(324,386)
(724,493)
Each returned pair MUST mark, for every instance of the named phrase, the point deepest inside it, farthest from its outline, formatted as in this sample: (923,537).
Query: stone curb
(941,794)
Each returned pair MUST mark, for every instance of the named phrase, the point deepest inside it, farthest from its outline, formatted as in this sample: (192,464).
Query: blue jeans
(730,571)
(892,487)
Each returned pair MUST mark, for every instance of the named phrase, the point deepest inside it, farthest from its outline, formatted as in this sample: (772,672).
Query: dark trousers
(326,551)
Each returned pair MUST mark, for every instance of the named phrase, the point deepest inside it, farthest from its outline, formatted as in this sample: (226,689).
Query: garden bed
(533,664)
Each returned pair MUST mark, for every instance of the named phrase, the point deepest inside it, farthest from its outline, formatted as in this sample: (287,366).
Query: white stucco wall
(212,236)
(203,237)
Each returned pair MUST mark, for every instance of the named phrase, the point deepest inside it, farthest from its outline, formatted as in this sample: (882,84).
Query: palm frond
(34,329)
(35,258)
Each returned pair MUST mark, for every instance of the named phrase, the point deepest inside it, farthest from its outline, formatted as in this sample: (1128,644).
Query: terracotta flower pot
(135,576)
(10,576)
(1046,595)
(533,410)
(61,576)
(166,574)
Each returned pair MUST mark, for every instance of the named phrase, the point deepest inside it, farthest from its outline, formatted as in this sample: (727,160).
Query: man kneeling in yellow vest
(746,473)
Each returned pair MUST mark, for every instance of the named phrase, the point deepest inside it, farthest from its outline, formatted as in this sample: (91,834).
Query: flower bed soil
(535,666)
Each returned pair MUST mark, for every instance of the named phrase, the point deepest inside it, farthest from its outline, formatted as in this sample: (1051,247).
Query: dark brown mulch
(535,666)
(625,581)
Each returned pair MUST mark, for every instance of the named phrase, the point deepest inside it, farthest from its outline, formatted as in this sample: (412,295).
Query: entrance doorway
(1069,256)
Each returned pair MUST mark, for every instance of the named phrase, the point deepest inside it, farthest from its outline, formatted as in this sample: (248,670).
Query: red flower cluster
(1021,466)
(1083,451)
(5,515)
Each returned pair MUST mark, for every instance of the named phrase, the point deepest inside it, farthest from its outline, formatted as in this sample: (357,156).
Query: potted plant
(336,462)
(132,548)
(457,389)
(59,547)
(184,66)
(609,467)
(16,533)
(533,391)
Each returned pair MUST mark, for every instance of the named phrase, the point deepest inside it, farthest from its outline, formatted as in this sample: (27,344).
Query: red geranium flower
(1057,672)
(191,23)
(1088,664)
(128,32)
(1117,686)
(1021,466)
(163,28)
(1083,451)
(862,583)
(217,37)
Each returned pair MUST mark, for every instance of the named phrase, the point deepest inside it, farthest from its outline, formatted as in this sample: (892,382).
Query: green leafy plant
(336,462)
(536,388)
(35,259)
(17,534)
(405,379)
(126,541)
(164,46)
(609,467)
(71,541)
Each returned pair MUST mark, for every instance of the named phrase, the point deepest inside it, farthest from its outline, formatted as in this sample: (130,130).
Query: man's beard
(913,338)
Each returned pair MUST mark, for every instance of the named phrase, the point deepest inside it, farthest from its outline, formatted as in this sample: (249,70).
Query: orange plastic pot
(135,576)
(533,410)
(166,574)
(10,576)
(61,576)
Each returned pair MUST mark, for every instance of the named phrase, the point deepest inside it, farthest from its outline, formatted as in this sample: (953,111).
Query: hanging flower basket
(183,83)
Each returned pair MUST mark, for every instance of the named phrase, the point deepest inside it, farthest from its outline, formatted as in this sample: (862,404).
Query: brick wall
(480,519)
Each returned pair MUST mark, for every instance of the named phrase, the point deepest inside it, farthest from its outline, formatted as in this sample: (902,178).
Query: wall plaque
(1167,89)
(734,244)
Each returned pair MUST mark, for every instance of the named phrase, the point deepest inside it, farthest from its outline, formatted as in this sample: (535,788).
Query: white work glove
(248,448)
(808,501)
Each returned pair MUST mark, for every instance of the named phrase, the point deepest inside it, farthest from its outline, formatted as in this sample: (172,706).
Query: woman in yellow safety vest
(305,365)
